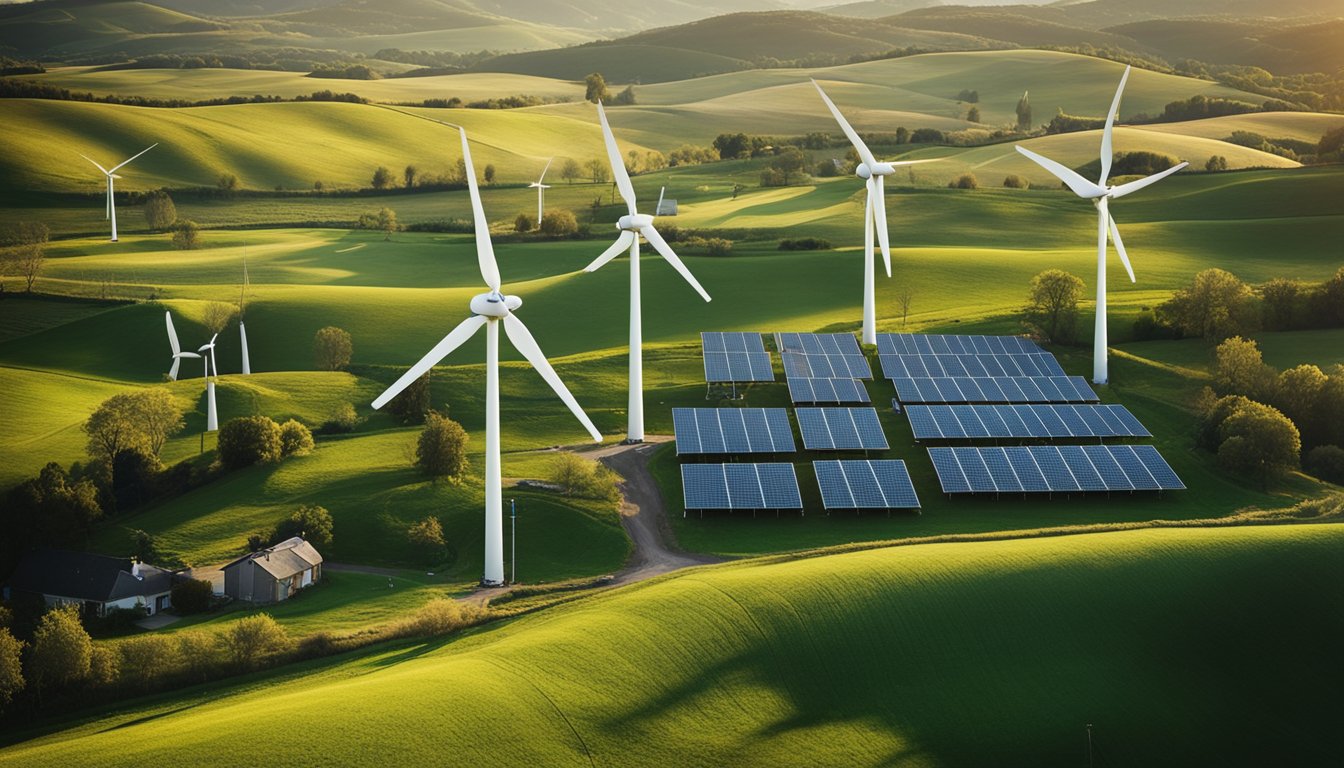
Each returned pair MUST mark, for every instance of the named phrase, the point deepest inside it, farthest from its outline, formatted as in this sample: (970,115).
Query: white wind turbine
(112,174)
(490,310)
(541,190)
(874,214)
(242,329)
(211,413)
(1100,194)
(178,354)
(631,226)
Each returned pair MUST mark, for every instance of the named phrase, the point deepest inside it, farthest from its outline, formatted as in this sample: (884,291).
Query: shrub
(426,538)
(805,244)
(11,667)
(559,223)
(964,181)
(1013,181)
(62,650)
(186,235)
(295,439)
(441,616)
(249,440)
(1258,439)
(104,666)
(382,178)
(147,658)
(441,450)
(1327,463)
(1215,306)
(249,642)
(1052,304)
(342,420)
(160,212)
(584,478)
(310,521)
(332,348)
(1238,369)
(192,596)
(524,223)
(199,654)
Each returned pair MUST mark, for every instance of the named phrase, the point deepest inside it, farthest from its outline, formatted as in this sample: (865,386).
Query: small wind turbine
(490,310)
(1100,194)
(541,191)
(242,329)
(874,214)
(631,226)
(211,413)
(178,354)
(112,174)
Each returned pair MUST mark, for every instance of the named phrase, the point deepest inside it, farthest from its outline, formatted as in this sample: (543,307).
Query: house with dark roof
(273,574)
(97,583)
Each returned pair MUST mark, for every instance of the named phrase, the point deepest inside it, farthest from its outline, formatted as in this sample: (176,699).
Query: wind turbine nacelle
(494,304)
(865,171)
(634,222)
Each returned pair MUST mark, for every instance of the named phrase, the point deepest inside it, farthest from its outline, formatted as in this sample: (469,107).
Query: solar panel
(1010,389)
(932,343)
(964,422)
(732,430)
(735,356)
(822,356)
(827,391)
(864,484)
(740,486)
(841,429)
(1048,468)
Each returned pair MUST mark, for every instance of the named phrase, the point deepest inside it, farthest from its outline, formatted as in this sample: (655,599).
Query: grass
(855,658)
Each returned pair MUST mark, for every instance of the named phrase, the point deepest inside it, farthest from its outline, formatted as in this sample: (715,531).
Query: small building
(273,574)
(99,584)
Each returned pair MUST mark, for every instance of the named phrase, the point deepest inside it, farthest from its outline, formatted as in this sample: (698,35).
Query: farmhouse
(98,583)
(274,573)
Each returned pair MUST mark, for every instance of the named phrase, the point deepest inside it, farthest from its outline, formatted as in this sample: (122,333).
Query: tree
(441,450)
(1013,181)
(964,181)
(409,175)
(227,183)
(427,536)
(146,657)
(731,145)
(559,223)
(1281,298)
(51,509)
(903,299)
(789,163)
(295,439)
(186,235)
(597,170)
(311,522)
(1299,393)
(104,665)
(249,440)
(1238,369)
(61,649)
(1217,305)
(1024,113)
(524,223)
(583,478)
(570,170)
(332,348)
(249,641)
(144,547)
(382,177)
(145,418)
(387,222)
(217,315)
(24,253)
(973,114)
(160,212)
(11,668)
(1331,145)
(1258,439)
(489,173)
(1052,304)
(411,403)
(1323,461)
(626,97)
(595,88)
(191,596)
(968,96)
(1216,163)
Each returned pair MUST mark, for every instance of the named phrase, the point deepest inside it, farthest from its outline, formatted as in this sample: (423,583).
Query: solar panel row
(1010,389)
(818,343)
(740,486)
(962,422)
(863,484)
(732,430)
(827,391)
(1049,468)
(841,429)
(936,344)
(924,366)
(818,366)
(738,366)
(731,341)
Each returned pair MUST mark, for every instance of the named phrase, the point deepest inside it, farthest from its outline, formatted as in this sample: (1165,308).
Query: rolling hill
(940,654)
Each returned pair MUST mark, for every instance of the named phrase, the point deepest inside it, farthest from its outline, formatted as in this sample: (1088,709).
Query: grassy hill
(925,655)
(1279,47)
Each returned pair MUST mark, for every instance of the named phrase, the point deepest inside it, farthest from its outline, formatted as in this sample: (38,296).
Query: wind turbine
(112,174)
(541,190)
(631,226)
(211,413)
(242,329)
(178,354)
(1101,194)
(874,214)
(490,309)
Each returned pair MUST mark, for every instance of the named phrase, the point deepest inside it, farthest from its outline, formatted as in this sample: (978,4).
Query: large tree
(332,348)
(249,440)
(217,315)
(441,450)
(1215,306)
(11,669)
(595,88)
(1259,440)
(1052,304)
(143,419)
(160,212)
(61,649)
(1238,369)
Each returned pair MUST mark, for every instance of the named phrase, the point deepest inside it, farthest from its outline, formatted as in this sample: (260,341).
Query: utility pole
(513,546)
(1089,745)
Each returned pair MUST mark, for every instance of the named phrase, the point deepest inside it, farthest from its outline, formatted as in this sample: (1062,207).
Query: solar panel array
(822,356)
(1057,469)
(734,356)
(864,484)
(967,422)
(978,365)
(827,391)
(1009,389)
(841,429)
(732,430)
(740,486)
(936,344)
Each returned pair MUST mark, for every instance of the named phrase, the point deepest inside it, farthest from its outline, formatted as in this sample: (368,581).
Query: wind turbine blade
(141,152)
(172,372)
(660,245)
(485,251)
(1081,187)
(91,160)
(902,163)
(455,338)
(1119,246)
(213,365)
(878,200)
(523,342)
(1106,154)
(544,170)
(172,333)
(661,191)
(622,243)
(1135,186)
(617,164)
(853,136)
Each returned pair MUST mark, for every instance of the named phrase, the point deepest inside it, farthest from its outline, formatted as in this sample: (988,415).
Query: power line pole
(513,542)
(1089,745)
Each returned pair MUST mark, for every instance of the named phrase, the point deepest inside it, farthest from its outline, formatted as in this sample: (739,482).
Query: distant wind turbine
(178,354)
(490,309)
(242,310)
(112,174)
(1101,194)
(631,226)
(541,191)
(211,413)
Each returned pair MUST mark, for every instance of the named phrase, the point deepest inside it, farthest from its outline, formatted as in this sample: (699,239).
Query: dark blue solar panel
(1005,479)
(922,422)
(734,430)
(1054,469)
(977,474)
(1093,422)
(1028,473)
(835,492)
(712,341)
(948,423)
(991,416)
(1111,473)
(781,435)
(687,433)
(1054,426)
(970,422)
(846,429)
(1122,413)
(1133,468)
(1081,467)
(1157,467)
(893,477)
(780,486)
(1014,422)
(744,486)
(950,476)
(704,487)
(711,433)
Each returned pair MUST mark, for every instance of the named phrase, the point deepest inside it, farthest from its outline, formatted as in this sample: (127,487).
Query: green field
(856,659)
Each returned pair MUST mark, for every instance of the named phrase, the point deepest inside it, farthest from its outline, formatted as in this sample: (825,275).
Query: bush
(964,181)
(1149,327)
(1327,463)
(1013,181)
(332,349)
(342,420)
(310,521)
(1052,304)
(186,235)
(426,538)
(805,244)
(559,223)
(1259,440)
(249,642)
(295,439)
(584,478)
(249,440)
(104,666)
(1215,306)
(11,667)
(441,616)
(441,450)
(61,649)
(524,223)
(192,596)
(1238,369)
(146,659)
(160,212)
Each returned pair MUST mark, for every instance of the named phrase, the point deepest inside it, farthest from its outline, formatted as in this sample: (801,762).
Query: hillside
(1280,48)
(993,652)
